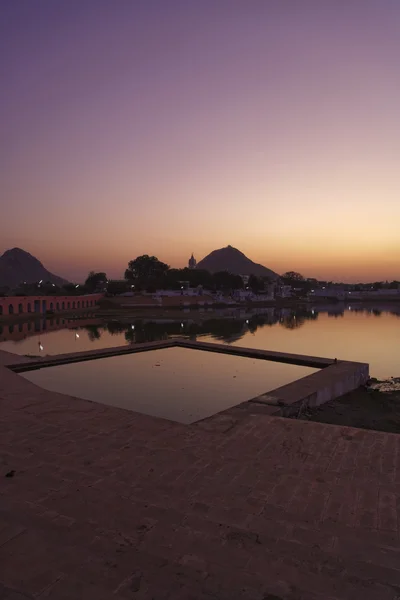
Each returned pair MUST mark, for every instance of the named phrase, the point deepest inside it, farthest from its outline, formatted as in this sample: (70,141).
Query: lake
(179,384)
(356,333)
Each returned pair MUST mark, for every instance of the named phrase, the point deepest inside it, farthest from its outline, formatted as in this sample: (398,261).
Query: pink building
(25,305)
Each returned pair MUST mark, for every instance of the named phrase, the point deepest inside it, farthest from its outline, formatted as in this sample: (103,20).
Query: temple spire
(192,262)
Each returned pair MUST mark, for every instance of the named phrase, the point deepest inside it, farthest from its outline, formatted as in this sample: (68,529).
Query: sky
(160,127)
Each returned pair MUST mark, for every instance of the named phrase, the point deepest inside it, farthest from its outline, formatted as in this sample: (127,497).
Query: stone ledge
(333,380)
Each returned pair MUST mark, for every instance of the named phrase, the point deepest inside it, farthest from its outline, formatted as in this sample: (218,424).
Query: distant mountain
(232,260)
(17,266)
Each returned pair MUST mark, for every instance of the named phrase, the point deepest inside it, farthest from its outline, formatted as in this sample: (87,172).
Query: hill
(17,266)
(232,260)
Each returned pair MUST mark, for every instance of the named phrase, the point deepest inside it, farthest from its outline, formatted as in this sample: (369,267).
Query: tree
(146,269)
(226,281)
(117,287)
(255,283)
(93,280)
(292,276)
(71,289)
(297,281)
(173,278)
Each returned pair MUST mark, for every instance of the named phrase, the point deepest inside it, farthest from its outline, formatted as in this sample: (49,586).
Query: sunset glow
(169,127)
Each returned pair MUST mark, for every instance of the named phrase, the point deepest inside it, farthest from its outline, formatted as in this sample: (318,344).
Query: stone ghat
(97,503)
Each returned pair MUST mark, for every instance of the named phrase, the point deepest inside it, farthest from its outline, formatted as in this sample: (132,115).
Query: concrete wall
(332,380)
(327,384)
(26,305)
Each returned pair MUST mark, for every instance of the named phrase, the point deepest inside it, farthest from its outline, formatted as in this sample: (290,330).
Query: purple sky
(166,127)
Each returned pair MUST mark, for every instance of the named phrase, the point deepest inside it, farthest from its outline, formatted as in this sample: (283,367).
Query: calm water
(360,334)
(174,383)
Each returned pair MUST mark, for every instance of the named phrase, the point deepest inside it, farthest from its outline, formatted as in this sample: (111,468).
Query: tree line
(148,273)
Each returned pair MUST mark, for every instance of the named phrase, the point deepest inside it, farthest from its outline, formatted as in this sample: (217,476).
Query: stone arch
(51,306)
(58,306)
(10,309)
(73,305)
(63,306)
(20,308)
(29,307)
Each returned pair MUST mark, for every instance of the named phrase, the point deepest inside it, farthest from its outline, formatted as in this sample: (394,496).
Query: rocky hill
(232,260)
(17,266)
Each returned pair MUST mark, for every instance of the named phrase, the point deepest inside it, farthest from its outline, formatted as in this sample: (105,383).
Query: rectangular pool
(179,384)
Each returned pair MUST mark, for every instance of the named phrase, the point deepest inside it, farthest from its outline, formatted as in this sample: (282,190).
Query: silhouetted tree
(292,276)
(94,279)
(146,269)
(117,287)
(255,283)
(296,280)
(72,290)
(226,281)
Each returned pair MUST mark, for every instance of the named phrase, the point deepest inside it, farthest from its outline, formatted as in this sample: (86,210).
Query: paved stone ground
(100,503)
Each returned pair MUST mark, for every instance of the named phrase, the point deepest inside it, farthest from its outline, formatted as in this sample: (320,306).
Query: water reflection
(94,332)
(356,332)
(174,383)
(227,326)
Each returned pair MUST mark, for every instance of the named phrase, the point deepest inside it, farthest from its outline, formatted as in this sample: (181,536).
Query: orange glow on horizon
(277,134)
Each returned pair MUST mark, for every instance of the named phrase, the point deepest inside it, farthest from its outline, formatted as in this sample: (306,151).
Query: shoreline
(196,311)
(145,310)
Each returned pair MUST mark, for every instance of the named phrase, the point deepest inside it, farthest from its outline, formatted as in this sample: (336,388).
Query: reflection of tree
(228,330)
(140,336)
(292,322)
(115,327)
(93,332)
(296,318)
(130,336)
(224,330)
